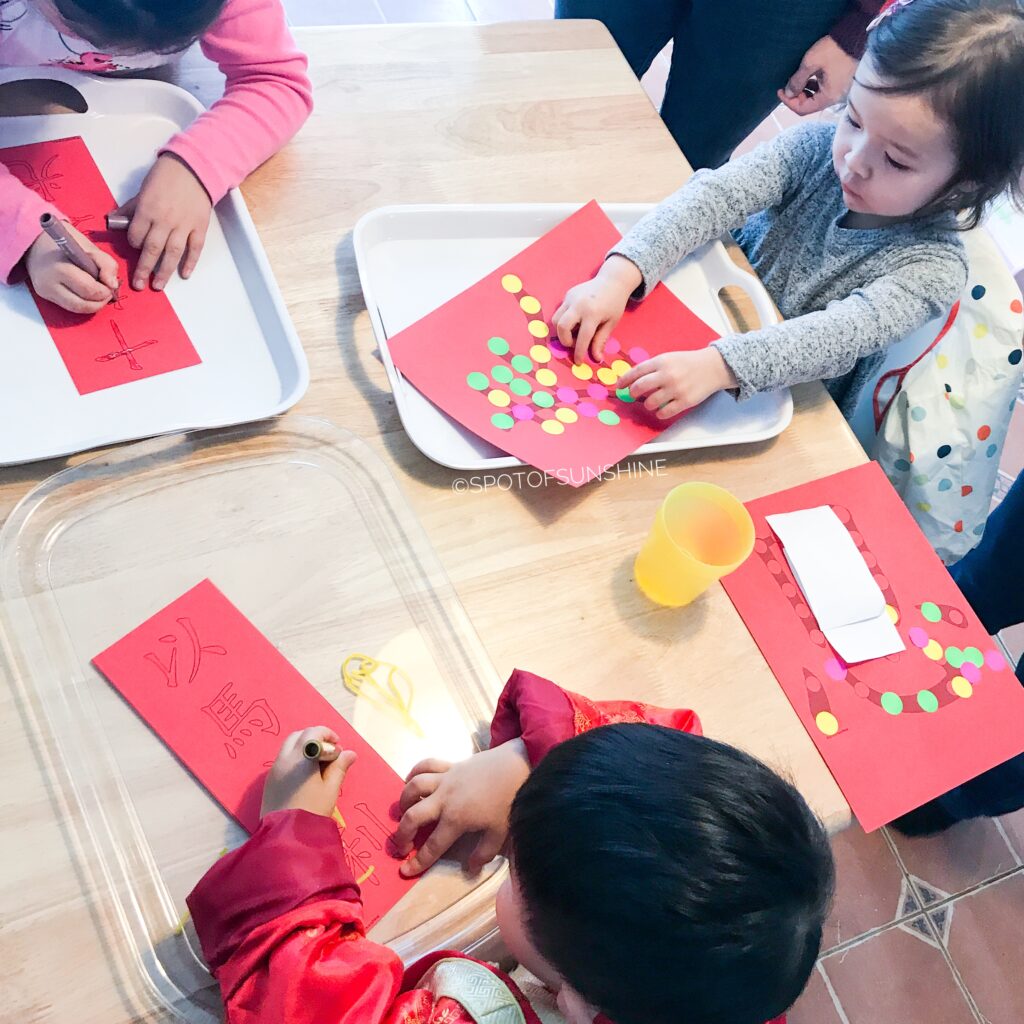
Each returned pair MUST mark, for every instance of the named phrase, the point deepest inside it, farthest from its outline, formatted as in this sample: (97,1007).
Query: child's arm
(280,919)
(708,205)
(267,97)
(533,715)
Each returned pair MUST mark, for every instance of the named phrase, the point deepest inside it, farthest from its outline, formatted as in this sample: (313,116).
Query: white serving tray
(412,259)
(252,365)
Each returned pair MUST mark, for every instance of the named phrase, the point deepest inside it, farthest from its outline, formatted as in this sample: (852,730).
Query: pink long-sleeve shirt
(267,97)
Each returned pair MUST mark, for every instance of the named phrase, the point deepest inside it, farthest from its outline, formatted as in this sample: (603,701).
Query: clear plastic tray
(304,529)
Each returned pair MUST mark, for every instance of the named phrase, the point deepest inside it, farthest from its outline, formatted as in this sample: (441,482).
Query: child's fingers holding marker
(335,771)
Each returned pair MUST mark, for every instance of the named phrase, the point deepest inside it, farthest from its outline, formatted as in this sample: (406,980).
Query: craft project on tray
(135,337)
(894,731)
(223,698)
(490,358)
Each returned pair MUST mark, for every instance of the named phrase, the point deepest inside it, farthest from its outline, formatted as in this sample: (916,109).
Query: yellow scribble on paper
(365,875)
(383,685)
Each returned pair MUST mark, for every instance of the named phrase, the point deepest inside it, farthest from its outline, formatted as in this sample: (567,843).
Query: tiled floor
(923,930)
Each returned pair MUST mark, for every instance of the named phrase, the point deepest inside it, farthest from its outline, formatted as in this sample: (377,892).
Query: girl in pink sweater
(267,97)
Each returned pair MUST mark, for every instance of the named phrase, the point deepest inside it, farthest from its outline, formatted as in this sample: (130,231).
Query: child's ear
(574,1008)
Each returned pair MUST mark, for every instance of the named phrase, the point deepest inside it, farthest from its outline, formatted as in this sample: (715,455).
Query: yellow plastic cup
(700,534)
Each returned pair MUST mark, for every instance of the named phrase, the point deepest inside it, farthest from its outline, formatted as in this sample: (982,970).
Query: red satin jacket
(279,918)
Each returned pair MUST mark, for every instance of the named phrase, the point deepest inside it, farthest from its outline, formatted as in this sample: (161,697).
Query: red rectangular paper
(223,698)
(137,336)
(897,731)
(490,359)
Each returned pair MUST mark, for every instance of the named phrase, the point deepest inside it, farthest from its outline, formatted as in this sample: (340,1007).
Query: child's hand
(169,220)
(471,796)
(589,312)
(295,783)
(677,381)
(55,278)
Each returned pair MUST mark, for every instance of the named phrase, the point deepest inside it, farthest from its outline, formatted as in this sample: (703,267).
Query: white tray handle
(727,273)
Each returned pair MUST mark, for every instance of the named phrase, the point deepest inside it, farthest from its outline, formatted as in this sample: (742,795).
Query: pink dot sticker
(918,637)
(638,354)
(522,412)
(567,395)
(597,391)
(587,409)
(834,669)
(971,672)
(994,660)
(558,350)
(613,347)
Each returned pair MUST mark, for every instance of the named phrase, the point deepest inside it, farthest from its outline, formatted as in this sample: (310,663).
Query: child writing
(656,876)
(267,97)
(852,228)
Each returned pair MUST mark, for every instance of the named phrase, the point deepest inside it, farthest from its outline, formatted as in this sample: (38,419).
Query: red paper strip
(897,731)
(223,699)
(490,359)
(139,335)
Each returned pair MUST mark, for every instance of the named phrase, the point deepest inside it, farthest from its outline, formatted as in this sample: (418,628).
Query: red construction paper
(958,718)
(446,351)
(223,699)
(139,335)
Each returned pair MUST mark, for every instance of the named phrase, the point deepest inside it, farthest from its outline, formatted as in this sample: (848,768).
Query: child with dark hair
(852,228)
(267,97)
(656,876)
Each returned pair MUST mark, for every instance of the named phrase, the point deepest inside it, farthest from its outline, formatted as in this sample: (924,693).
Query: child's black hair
(160,26)
(668,878)
(967,56)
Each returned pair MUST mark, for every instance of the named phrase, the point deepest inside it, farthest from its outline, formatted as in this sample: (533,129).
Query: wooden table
(462,113)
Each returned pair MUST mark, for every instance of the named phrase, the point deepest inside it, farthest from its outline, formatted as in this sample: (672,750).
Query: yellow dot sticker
(827,722)
(566,415)
(529,305)
(583,370)
(538,328)
(961,687)
(980,330)
(552,427)
(934,650)
(511,283)
(540,354)
(894,616)
(620,367)
(546,377)
(942,360)
(606,376)
(499,398)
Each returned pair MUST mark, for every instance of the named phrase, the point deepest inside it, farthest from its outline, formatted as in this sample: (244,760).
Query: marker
(319,750)
(70,248)
(118,222)
(812,88)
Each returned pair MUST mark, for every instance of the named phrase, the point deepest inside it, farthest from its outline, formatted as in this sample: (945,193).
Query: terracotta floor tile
(985,944)
(870,887)
(425,10)
(1013,826)
(897,978)
(333,12)
(511,10)
(963,856)
(815,1006)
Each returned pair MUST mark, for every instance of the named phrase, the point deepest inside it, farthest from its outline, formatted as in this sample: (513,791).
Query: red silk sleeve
(543,715)
(279,920)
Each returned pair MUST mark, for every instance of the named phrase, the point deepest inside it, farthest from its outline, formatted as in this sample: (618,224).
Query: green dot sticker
(503,421)
(499,346)
(520,386)
(608,417)
(931,611)
(954,656)
(927,701)
(974,657)
(477,381)
(543,399)
(892,702)
(502,374)
(522,364)
(623,395)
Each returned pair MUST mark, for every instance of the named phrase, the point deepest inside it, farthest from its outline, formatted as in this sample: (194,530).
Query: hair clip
(886,11)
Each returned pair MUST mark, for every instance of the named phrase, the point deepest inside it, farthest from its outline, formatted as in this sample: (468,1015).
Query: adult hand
(833,68)
(296,783)
(472,796)
(169,220)
(55,278)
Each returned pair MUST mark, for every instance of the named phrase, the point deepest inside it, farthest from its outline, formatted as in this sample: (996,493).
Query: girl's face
(509,910)
(893,154)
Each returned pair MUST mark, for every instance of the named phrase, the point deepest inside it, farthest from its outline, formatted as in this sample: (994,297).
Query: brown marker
(320,750)
(118,221)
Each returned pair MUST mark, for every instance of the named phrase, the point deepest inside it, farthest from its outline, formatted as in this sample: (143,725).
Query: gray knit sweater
(846,293)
